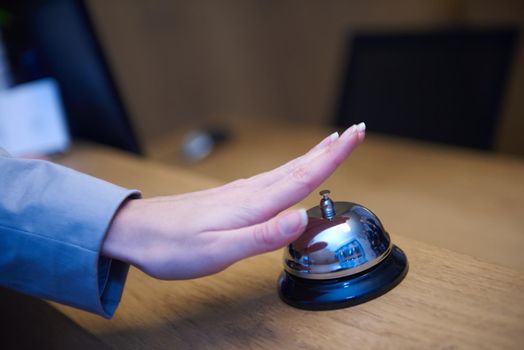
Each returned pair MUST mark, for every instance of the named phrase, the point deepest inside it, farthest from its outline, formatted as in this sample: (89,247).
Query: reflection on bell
(344,258)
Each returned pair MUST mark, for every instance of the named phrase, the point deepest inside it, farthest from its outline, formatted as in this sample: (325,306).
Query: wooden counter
(448,300)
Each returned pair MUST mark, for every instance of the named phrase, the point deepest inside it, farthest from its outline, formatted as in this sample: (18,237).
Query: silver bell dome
(342,239)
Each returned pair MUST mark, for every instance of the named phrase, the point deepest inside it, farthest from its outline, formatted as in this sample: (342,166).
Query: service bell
(344,257)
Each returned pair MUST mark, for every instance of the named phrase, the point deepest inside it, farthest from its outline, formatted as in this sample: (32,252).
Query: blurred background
(231,88)
(163,77)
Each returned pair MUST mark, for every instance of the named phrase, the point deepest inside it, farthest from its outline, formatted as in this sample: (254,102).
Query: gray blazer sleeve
(52,224)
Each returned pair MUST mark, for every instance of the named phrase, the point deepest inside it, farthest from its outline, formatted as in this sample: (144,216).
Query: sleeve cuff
(112,274)
(52,225)
(111,279)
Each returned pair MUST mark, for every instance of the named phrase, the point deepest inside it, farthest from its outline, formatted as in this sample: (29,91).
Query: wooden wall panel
(181,63)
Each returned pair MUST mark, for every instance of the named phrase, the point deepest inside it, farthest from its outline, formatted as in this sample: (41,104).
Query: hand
(201,233)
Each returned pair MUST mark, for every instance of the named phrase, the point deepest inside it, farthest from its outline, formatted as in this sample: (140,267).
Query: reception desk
(458,215)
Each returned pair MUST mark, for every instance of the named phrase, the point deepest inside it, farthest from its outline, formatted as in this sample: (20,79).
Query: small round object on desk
(345,257)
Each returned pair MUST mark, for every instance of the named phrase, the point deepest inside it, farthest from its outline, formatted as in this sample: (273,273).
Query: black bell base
(346,291)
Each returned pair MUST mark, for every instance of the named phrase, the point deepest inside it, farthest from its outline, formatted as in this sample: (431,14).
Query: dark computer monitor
(442,85)
(56,38)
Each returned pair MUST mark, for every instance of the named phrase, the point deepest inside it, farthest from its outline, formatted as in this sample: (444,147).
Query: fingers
(260,198)
(306,176)
(269,177)
(325,142)
(264,237)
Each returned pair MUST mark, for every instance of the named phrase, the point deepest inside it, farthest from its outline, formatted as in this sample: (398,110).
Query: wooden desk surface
(448,300)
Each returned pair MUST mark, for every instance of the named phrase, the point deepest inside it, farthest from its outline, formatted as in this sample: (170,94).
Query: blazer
(52,225)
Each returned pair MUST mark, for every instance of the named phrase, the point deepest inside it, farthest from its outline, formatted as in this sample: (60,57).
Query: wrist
(120,240)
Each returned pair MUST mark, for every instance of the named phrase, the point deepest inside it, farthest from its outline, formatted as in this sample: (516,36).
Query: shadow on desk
(30,323)
(245,322)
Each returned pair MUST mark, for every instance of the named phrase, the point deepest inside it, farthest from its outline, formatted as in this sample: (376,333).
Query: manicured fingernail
(361,127)
(293,221)
(327,141)
(349,131)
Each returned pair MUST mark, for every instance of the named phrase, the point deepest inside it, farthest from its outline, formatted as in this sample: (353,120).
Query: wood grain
(447,301)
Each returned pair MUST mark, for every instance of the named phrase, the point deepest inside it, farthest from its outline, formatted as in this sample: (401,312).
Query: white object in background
(5,80)
(32,121)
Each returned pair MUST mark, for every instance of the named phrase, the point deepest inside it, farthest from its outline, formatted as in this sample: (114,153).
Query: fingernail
(292,222)
(327,141)
(349,131)
(361,127)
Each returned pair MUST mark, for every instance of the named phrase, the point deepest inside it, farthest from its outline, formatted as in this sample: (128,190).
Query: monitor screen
(56,39)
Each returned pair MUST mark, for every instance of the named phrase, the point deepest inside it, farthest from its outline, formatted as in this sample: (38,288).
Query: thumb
(266,236)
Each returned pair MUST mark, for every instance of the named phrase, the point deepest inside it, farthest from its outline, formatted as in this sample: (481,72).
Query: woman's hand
(201,233)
